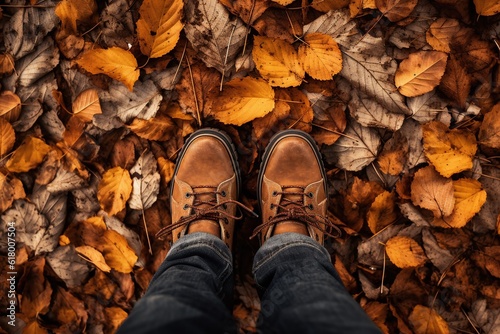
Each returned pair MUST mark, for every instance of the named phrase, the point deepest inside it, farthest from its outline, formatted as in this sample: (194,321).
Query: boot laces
(205,209)
(295,210)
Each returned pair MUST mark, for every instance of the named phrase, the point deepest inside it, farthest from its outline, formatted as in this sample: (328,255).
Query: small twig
(95,26)
(225,59)
(470,321)
(489,176)
(194,93)
(383,273)
(248,27)
(147,61)
(180,63)
(147,234)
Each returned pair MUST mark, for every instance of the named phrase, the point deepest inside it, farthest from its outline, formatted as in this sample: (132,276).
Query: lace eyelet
(310,195)
(272,206)
(188,195)
(223,193)
(310,207)
(224,206)
(185,207)
(275,193)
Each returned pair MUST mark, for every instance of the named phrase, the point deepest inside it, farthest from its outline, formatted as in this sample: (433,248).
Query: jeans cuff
(201,239)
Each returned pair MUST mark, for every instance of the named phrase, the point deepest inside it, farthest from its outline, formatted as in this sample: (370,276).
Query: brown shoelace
(212,211)
(296,211)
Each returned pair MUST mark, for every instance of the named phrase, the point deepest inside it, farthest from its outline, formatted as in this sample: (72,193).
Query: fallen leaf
(357,148)
(115,62)
(114,190)
(157,128)
(9,103)
(28,155)
(242,100)
(425,108)
(270,122)
(440,257)
(449,151)
(469,198)
(320,56)
(396,10)
(117,252)
(420,72)
(405,252)
(486,317)
(489,259)
(6,193)
(392,159)
(329,125)
(431,191)
(489,132)
(72,12)
(92,255)
(68,266)
(382,211)
(456,83)
(6,64)
(328,5)
(69,310)
(368,112)
(426,321)
(7,137)
(487,7)
(371,252)
(214,34)
(277,62)
(145,182)
(115,316)
(86,105)
(159,26)
(166,169)
(249,11)
(441,32)
(37,291)
(378,313)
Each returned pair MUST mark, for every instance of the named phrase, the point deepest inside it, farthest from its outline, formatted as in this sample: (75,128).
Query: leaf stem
(194,93)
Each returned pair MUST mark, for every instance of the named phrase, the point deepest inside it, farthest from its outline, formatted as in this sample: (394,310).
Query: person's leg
(186,293)
(302,291)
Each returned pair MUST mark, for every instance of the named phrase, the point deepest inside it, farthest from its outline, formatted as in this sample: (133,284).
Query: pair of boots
(292,188)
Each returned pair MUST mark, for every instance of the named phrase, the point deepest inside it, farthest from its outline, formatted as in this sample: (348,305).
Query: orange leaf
(396,10)
(28,155)
(405,252)
(6,193)
(420,72)
(441,33)
(487,7)
(114,190)
(328,5)
(7,137)
(86,105)
(115,62)
(70,12)
(489,132)
(382,211)
(166,169)
(117,252)
(427,321)
(320,56)
(6,63)
(9,103)
(92,255)
(158,128)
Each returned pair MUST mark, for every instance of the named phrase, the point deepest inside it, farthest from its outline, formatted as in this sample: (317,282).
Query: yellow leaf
(277,62)
(243,100)
(28,155)
(34,328)
(70,12)
(427,321)
(382,211)
(7,137)
(320,56)
(469,198)
(405,252)
(114,190)
(64,240)
(420,72)
(115,62)
(431,191)
(9,102)
(328,5)
(166,169)
(159,27)
(283,2)
(6,63)
(86,105)
(158,128)
(94,256)
(487,7)
(441,32)
(117,252)
(6,193)
(449,151)
(115,317)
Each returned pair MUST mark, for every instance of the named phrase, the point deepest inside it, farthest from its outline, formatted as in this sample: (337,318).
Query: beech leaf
(382,211)
(159,27)
(7,137)
(420,72)
(145,182)
(9,102)
(441,33)
(405,252)
(427,321)
(320,56)
(487,7)
(115,62)
(86,105)
(243,100)
(28,155)
(95,257)
(114,190)
(489,132)
(396,10)
(117,252)
(70,12)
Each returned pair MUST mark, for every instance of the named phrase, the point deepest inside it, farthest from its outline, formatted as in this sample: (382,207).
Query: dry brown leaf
(328,5)
(405,252)
(115,317)
(6,193)
(277,62)
(92,255)
(117,252)
(9,103)
(489,259)
(72,12)
(469,198)
(427,321)
(166,169)
(159,27)
(28,155)
(431,191)
(320,56)
(449,151)
(115,62)
(283,2)
(392,159)
(378,313)
(34,328)
(37,291)
(157,128)
(329,125)
(441,32)
(396,10)
(270,122)
(420,72)
(382,212)
(456,83)
(86,105)
(114,190)
(250,10)
(242,100)
(7,137)
(69,311)
(489,132)
(487,7)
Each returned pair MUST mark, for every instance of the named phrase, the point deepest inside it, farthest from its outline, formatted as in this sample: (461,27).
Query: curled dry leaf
(420,72)
(159,27)
(157,128)
(86,105)
(115,62)
(242,100)
(487,7)
(9,103)
(95,257)
(441,32)
(28,155)
(469,199)
(145,182)
(320,56)
(431,191)
(7,137)
(114,190)
(427,321)
(405,252)
(396,10)
(277,62)
(489,132)
(449,151)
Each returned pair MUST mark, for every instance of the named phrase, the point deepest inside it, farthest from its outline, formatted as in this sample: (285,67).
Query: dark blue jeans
(301,291)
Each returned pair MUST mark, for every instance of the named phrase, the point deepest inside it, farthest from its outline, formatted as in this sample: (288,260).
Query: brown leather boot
(205,187)
(292,188)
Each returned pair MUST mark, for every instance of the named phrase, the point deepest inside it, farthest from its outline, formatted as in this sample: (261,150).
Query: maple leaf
(159,27)
(114,190)
(242,100)
(115,62)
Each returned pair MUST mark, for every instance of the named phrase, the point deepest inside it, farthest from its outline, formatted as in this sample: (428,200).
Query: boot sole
(224,139)
(269,149)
